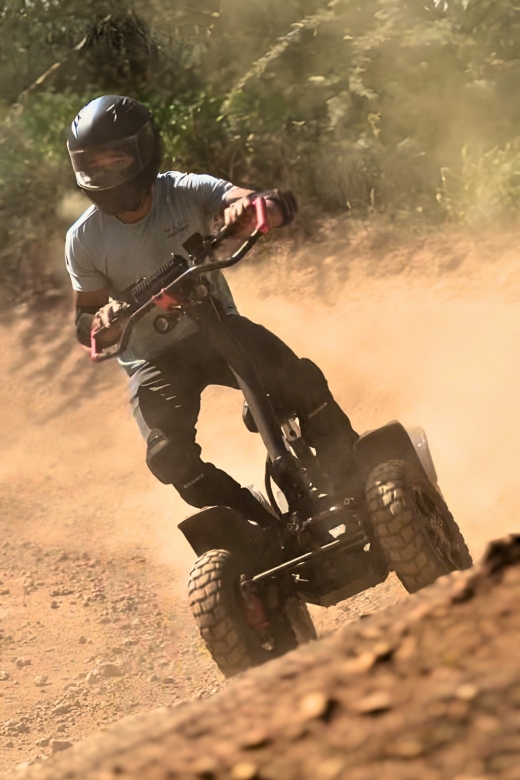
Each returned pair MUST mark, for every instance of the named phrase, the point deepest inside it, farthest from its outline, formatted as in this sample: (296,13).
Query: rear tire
(218,606)
(413,525)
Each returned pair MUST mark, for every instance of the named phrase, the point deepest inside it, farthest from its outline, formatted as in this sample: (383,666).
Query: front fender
(222,528)
(390,442)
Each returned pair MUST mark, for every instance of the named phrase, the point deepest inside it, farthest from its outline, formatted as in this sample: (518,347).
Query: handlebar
(164,300)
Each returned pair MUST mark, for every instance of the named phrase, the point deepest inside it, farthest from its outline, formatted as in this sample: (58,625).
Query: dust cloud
(427,347)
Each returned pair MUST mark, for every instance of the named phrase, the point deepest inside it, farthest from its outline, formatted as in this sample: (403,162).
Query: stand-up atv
(249,587)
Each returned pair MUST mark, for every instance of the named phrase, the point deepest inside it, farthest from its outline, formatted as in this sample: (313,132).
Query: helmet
(116,152)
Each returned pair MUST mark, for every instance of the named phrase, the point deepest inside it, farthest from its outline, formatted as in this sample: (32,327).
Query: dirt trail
(423,329)
(427,690)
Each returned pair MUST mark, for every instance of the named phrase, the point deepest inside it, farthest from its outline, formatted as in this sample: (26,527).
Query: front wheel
(236,627)
(413,525)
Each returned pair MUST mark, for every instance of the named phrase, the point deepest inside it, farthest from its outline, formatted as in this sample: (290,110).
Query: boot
(213,487)
(328,429)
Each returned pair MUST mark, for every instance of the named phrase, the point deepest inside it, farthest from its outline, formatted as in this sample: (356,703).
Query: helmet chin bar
(119,200)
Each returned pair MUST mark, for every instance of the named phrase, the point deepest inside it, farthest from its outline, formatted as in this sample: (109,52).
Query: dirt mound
(87,637)
(426,690)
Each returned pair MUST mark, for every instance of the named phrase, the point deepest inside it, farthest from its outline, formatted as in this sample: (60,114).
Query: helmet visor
(115,162)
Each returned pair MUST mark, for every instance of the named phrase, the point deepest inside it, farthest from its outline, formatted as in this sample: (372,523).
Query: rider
(138,218)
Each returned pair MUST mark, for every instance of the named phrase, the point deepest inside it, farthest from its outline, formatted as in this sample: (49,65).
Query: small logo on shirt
(176,228)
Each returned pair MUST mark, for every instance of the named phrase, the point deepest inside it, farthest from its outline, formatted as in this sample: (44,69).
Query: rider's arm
(87,306)
(236,207)
(89,284)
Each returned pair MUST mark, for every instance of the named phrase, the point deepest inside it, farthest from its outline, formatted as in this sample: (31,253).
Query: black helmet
(116,152)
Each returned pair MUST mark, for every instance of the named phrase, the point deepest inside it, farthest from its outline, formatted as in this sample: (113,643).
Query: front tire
(219,607)
(413,525)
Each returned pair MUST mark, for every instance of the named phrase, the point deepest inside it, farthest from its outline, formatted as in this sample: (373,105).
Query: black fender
(222,528)
(390,442)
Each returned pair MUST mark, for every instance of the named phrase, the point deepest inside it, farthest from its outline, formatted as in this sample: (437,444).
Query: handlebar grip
(261,214)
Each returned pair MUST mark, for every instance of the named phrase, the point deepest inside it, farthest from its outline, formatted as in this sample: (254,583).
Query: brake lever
(262,225)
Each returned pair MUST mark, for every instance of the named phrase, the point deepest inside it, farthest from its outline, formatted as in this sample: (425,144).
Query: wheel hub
(436,527)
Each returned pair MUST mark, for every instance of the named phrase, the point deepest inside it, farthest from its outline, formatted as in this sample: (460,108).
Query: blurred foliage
(487,188)
(403,106)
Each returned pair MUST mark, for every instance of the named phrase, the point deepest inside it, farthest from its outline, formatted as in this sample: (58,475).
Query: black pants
(166,395)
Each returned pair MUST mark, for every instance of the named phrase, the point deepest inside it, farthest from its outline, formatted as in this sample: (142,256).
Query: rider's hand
(241,216)
(105,319)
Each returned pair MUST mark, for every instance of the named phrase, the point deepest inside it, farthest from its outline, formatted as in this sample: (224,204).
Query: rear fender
(390,442)
(420,442)
(222,528)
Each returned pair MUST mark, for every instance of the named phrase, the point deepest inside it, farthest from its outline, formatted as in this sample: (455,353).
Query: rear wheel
(237,628)
(413,525)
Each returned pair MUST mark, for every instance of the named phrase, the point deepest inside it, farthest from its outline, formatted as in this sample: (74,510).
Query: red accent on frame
(164,301)
(254,611)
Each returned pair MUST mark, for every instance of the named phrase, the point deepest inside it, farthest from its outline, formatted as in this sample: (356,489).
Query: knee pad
(314,382)
(163,458)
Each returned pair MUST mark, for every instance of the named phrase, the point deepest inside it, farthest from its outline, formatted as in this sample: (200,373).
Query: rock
(330,769)
(314,705)
(4,675)
(28,586)
(359,664)
(4,592)
(245,770)
(21,662)
(374,702)
(15,726)
(43,742)
(93,676)
(253,738)
(58,745)
(467,692)
(406,747)
(110,670)
(168,680)
(82,640)
(54,605)
(41,680)
(61,709)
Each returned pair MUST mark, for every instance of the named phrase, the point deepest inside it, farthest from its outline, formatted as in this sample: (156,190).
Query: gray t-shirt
(101,251)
